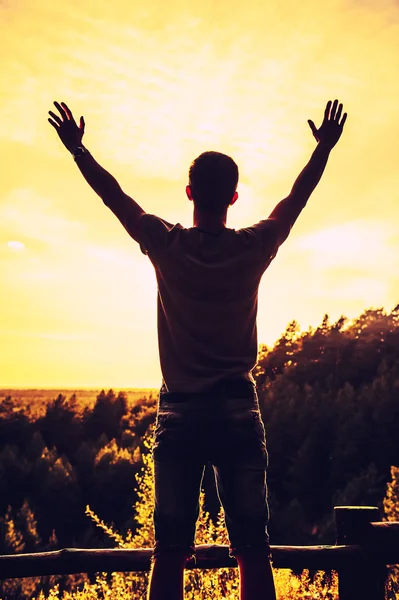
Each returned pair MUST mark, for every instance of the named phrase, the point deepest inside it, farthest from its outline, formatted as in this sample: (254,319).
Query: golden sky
(158,83)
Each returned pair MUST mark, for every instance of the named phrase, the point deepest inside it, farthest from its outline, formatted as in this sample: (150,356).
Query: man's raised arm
(287,211)
(102,182)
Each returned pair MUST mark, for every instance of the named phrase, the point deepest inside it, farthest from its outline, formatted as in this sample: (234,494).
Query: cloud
(360,244)
(16,246)
(26,214)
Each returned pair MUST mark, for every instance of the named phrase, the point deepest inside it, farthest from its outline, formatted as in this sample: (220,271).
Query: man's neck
(211,223)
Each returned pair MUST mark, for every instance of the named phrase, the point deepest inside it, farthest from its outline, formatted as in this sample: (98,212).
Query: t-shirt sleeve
(153,233)
(267,234)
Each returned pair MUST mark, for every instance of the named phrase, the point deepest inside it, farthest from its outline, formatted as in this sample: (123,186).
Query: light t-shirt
(207,299)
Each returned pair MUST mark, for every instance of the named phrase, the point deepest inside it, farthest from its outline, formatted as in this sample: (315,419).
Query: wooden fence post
(361,579)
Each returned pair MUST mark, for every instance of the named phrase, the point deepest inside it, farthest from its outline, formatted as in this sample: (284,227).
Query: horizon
(6,388)
(79,301)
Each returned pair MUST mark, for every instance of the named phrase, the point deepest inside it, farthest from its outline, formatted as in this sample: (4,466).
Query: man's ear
(188,192)
(234,198)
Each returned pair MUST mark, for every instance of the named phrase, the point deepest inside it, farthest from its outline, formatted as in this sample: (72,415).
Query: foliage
(70,457)
(391,508)
(329,398)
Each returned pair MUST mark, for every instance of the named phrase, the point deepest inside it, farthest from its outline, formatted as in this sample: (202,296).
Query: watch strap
(79,151)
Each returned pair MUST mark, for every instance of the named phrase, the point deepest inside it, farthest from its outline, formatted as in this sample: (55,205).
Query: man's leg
(256,576)
(167,578)
(240,466)
(177,484)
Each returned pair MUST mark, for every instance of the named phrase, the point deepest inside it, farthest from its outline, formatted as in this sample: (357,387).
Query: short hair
(213,179)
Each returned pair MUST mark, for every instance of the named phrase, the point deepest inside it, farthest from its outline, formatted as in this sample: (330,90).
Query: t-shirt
(207,299)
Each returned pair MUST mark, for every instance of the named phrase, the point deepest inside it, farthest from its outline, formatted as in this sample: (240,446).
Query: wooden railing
(364,547)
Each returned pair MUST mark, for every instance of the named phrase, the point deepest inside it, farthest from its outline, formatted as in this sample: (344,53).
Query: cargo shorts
(222,427)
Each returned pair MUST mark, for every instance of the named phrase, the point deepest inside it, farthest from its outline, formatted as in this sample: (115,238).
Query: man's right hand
(331,128)
(68,131)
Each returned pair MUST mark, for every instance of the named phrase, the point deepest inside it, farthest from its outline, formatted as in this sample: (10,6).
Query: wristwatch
(79,151)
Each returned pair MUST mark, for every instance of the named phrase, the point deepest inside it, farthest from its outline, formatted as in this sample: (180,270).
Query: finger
(61,110)
(68,111)
(339,112)
(334,109)
(343,120)
(327,110)
(312,126)
(55,117)
(53,124)
(82,124)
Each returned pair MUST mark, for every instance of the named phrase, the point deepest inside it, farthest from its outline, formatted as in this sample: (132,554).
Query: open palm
(65,125)
(331,128)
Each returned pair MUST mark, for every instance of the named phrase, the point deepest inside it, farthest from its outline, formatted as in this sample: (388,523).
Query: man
(208,278)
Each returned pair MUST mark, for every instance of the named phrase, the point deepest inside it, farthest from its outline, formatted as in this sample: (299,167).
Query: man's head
(213,179)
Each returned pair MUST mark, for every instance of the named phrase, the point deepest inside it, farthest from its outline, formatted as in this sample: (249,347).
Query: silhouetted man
(208,278)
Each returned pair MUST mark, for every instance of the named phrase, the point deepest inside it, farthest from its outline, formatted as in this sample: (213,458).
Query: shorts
(222,427)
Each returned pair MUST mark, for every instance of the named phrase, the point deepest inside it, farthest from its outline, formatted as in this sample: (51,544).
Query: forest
(329,399)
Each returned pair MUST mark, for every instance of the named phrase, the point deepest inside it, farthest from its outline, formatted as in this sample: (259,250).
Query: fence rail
(363,550)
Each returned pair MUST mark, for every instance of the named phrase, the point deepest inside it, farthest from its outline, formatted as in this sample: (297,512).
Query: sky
(158,83)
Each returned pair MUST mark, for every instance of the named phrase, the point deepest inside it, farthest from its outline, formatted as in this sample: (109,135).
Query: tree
(391,510)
